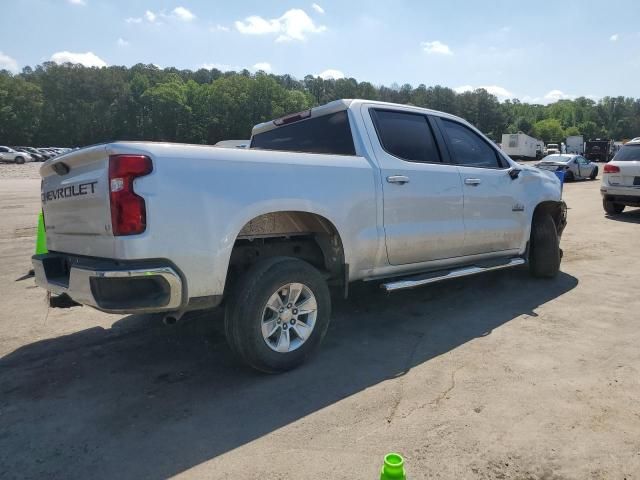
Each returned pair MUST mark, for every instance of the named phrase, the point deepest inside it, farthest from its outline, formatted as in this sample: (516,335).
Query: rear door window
(326,134)
(406,135)
(628,153)
(468,148)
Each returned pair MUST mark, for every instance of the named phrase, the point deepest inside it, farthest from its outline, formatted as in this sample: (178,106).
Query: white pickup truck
(350,191)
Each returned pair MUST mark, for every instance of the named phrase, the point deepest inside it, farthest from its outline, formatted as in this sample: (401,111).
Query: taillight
(128,210)
(611,168)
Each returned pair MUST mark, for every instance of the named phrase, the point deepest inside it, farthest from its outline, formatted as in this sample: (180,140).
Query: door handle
(472,181)
(401,179)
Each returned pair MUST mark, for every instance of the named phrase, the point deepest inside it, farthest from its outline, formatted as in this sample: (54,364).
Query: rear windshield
(628,153)
(556,158)
(327,134)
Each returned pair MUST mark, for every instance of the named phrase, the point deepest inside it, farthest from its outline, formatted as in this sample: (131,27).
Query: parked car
(8,154)
(621,179)
(354,190)
(575,167)
(44,153)
(49,151)
(37,156)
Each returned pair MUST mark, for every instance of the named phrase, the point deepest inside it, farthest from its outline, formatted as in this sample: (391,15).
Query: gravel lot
(26,170)
(495,376)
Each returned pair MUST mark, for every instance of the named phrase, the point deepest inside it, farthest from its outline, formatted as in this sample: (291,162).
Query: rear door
(422,195)
(494,216)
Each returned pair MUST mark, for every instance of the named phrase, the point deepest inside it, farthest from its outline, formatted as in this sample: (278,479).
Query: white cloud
(264,66)
(436,47)
(179,13)
(88,59)
(294,24)
(317,8)
(223,67)
(614,37)
(183,14)
(8,63)
(331,74)
(218,28)
(150,16)
(122,42)
(81,3)
(500,92)
(555,95)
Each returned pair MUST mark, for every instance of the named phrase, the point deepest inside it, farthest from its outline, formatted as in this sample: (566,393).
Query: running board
(438,276)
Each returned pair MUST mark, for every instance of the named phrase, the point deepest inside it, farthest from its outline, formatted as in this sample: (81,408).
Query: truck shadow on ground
(141,400)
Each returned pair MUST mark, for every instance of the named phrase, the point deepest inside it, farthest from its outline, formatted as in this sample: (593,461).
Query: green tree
(548,130)
(72,105)
(572,131)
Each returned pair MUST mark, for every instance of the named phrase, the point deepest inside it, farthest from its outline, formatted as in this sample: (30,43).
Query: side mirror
(514,172)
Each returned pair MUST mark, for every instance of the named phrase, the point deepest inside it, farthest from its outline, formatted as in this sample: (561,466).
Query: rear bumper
(110,286)
(625,195)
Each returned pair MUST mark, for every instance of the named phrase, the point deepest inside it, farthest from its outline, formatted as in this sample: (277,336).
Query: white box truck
(575,144)
(520,146)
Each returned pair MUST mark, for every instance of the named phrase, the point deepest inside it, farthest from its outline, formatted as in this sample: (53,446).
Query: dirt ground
(496,376)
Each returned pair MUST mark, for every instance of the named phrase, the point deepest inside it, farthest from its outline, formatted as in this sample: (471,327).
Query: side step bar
(438,276)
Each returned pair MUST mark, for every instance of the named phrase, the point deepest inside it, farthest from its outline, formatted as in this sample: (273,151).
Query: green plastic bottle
(393,467)
(41,238)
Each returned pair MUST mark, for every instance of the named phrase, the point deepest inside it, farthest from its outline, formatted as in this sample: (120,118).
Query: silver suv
(621,179)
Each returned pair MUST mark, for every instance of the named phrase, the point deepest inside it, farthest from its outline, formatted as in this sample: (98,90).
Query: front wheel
(569,177)
(594,174)
(612,208)
(19,160)
(278,314)
(544,247)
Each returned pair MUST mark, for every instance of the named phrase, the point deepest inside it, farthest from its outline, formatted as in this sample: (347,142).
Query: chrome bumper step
(438,276)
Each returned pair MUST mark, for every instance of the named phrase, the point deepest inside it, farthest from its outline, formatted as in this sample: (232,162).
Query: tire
(612,208)
(569,177)
(544,247)
(19,160)
(247,314)
(594,174)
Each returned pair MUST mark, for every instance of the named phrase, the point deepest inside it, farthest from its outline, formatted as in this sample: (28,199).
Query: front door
(422,196)
(494,210)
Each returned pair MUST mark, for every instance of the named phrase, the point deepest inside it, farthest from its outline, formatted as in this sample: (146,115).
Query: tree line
(72,105)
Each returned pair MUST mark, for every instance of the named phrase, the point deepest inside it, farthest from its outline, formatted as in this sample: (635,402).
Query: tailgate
(75,196)
(630,173)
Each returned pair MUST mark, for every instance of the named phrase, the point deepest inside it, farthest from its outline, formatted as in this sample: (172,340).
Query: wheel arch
(304,234)
(556,208)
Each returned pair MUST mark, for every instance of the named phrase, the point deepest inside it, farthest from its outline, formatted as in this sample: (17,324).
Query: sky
(538,52)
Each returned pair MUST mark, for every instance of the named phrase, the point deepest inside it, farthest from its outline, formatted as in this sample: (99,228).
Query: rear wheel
(594,174)
(19,160)
(544,247)
(612,208)
(278,314)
